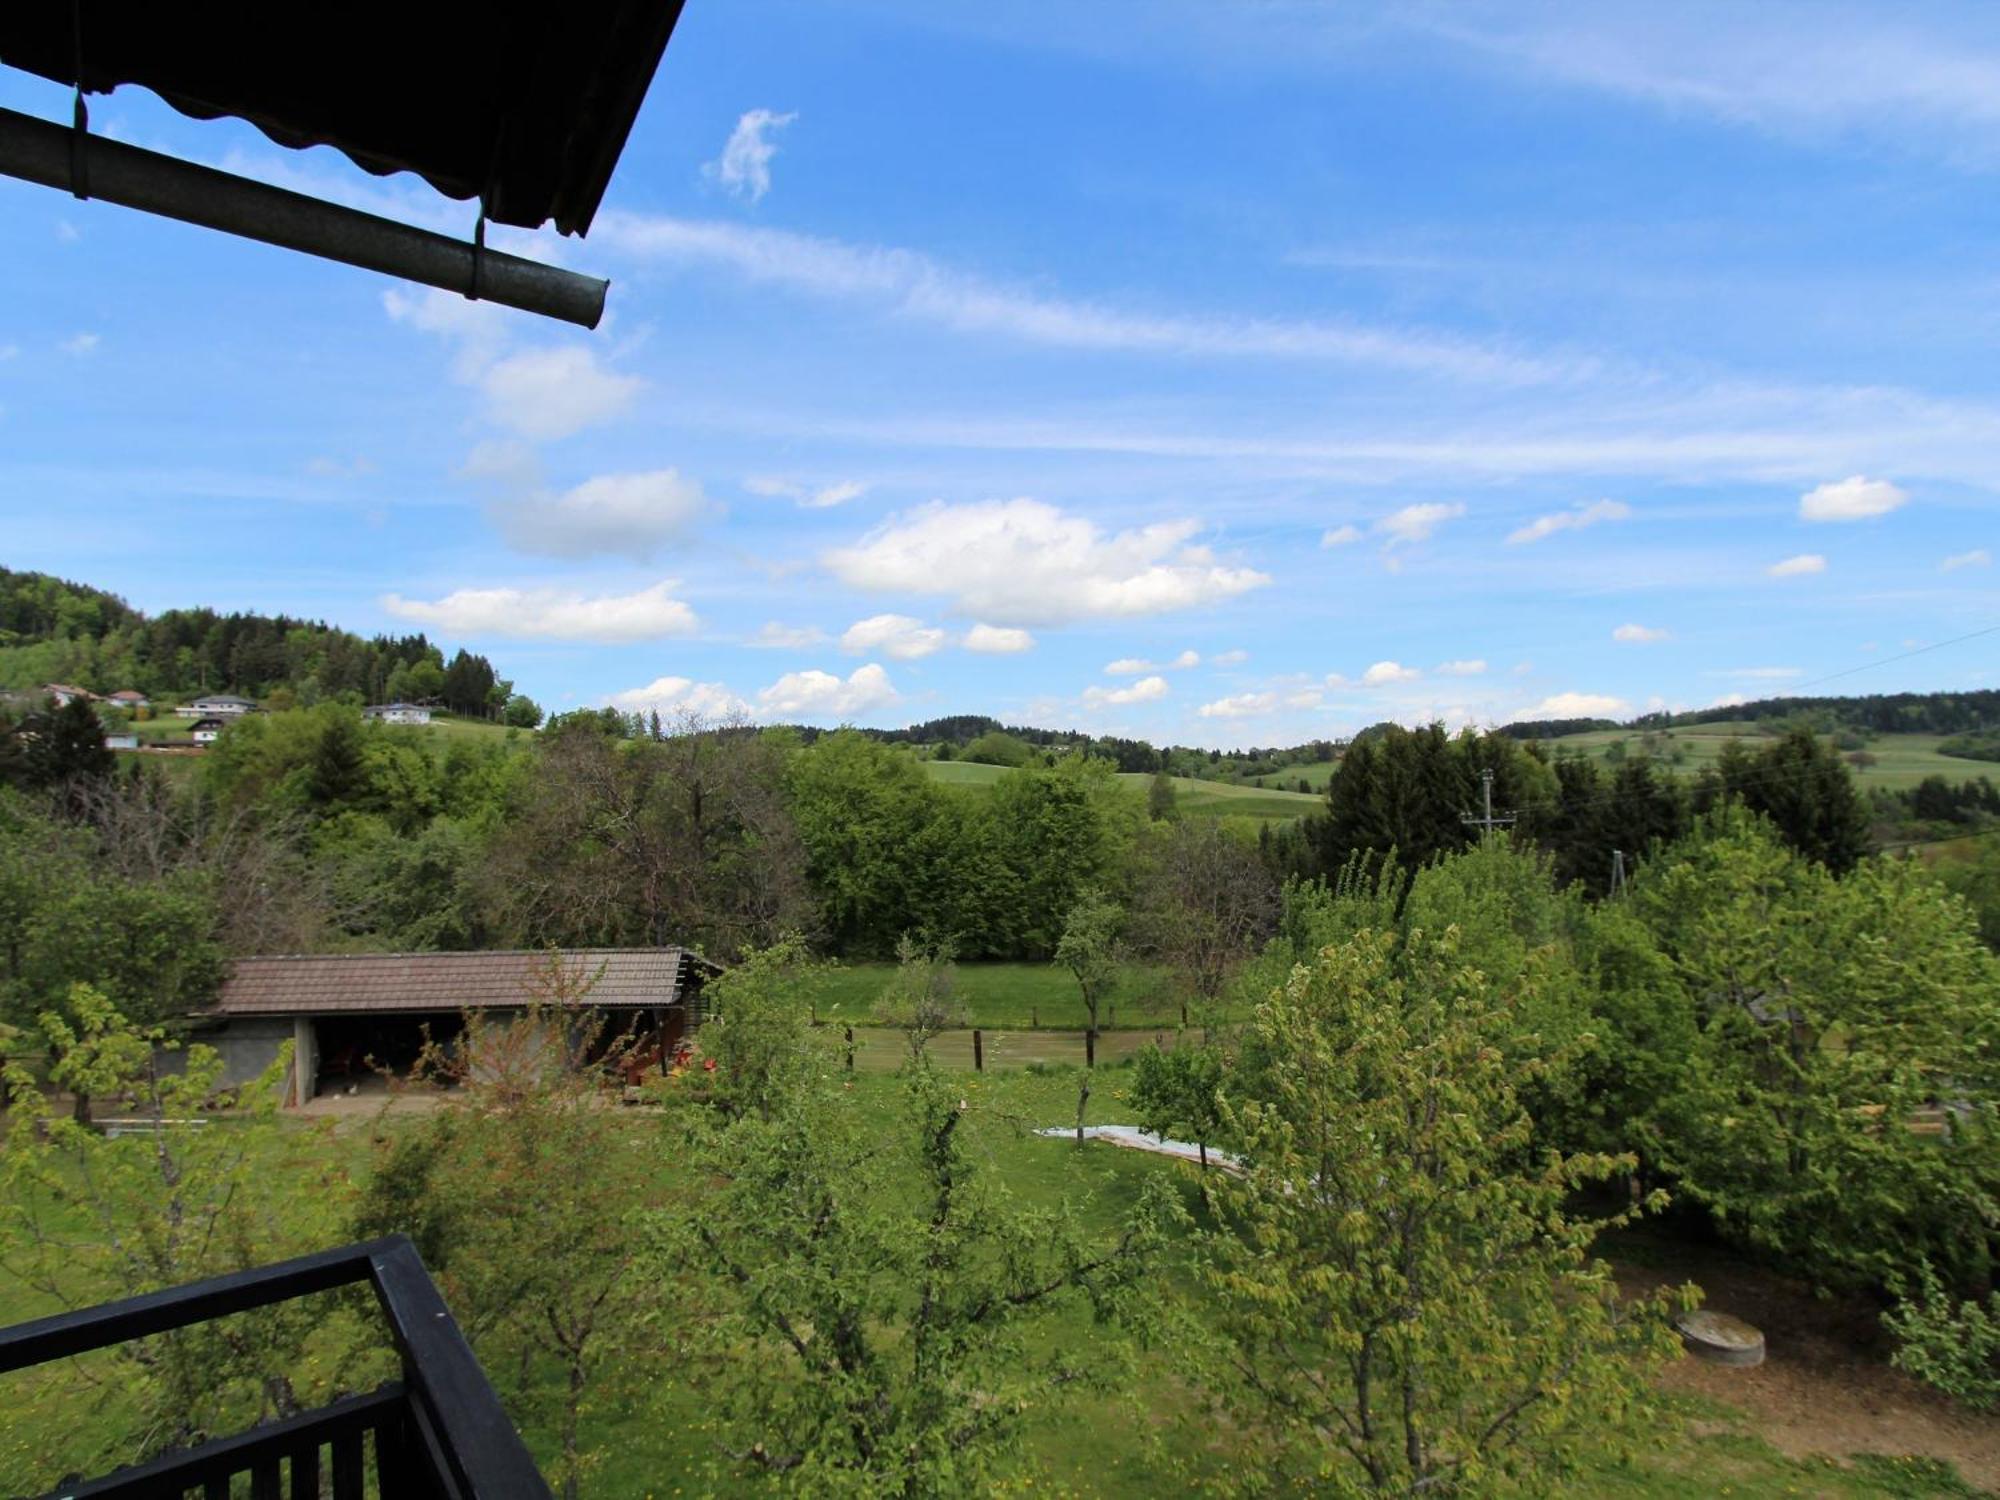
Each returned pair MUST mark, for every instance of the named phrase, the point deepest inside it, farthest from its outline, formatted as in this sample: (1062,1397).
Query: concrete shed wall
(247,1046)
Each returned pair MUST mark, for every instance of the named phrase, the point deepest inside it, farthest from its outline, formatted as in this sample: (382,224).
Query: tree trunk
(1202,1147)
(1082,1101)
(1090,1048)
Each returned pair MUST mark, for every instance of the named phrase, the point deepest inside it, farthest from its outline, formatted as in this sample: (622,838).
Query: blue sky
(1222,374)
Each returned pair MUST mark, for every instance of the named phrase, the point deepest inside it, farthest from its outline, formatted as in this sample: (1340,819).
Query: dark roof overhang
(523,107)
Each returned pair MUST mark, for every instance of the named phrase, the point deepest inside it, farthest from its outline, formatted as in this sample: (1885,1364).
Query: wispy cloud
(79,344)
(915,286)
(633,516)
(775,636)
(1978,557)
(1574,519)
(1340,536)
(1416,523)
(812,497)
(1640,635)
(1804,565)
(551,614)
(744,168)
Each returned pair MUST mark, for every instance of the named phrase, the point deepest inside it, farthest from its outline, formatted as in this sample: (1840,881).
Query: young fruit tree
(1090,951)
(1405,1303)
(87,1216)
(871,1315)
(522,1190)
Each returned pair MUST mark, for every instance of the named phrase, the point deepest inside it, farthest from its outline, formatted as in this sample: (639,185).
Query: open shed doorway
(355,1052)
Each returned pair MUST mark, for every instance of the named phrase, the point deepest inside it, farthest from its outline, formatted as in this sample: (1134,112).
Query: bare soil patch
(1826,1387)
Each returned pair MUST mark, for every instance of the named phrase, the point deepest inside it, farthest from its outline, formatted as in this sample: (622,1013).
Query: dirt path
(1825,1387)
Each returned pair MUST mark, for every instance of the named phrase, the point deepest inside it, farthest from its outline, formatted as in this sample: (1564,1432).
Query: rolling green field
(1201,798)
(1899,760)
(654,1436)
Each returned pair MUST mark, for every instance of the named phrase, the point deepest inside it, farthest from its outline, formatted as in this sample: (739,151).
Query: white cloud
(821,694)
(1415,523)
(997,640)
(1132,666)
(1385,672)
(672,696)
(915,286)
(1576,706)
(1978,557)
(1145,690)
(1026,563)
(1852,499)
(744,168)
(1797,567)
(822,497)
(80,344)
(1228,658)
(552,614)
(899,637)
(1640,635)
(551,393)
(1242,706)
(1523,668)
(621,515)
(1472,667)
(774,634)
(1340,536)
(1575,519)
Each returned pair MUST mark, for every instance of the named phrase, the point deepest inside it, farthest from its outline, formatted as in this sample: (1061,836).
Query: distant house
(65,695)
(121,742)
(397,713)
(129,699)
(207,731)
(349,1014)
(217,705)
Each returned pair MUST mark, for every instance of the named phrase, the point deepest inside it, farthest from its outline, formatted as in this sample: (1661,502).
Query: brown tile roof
(336,983)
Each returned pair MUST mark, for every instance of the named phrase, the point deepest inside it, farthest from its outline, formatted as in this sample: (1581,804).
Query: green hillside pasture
(1197,798)
(1316,776)
(1899,760)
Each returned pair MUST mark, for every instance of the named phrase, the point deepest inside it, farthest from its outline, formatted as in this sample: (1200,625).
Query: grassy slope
(1205,798)
(1101,1444)
(1902,760)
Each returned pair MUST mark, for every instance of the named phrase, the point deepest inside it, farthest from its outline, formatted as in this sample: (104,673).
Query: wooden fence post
(978,1050)
(850,1049)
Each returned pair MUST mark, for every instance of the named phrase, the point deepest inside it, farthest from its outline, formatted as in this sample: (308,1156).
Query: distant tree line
(55,630)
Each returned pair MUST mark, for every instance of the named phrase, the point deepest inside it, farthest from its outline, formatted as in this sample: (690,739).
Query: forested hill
(1877,713)
(54,630)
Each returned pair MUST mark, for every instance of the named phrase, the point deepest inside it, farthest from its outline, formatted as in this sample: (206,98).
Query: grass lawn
(1900,760)
(1142,1440)
(1011,996)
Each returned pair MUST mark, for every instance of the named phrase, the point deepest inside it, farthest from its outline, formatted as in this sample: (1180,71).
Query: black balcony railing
(439,1431)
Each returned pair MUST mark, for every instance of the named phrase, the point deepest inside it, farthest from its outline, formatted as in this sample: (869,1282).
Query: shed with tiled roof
(350,1013)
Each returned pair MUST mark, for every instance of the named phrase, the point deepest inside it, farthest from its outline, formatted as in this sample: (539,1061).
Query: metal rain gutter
(92,166)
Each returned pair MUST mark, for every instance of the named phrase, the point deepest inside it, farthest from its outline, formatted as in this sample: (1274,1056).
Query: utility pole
(1489,820)
(1617,872)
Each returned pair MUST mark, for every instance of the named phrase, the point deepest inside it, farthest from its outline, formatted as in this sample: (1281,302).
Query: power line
(1490,820)
(1866,666)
